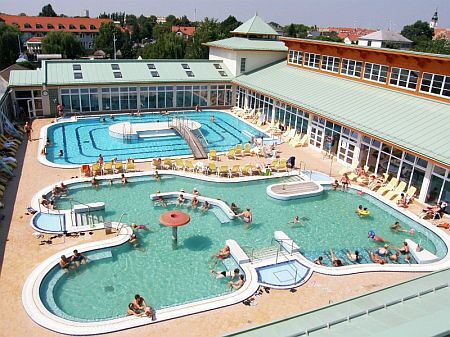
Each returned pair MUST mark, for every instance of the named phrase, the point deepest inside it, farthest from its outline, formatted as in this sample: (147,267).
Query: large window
(295,57)
(292,117)
(375,72)
(189,96)
(435,84)
(122,98)
(243,64)
(351,68)
(330,63)
(439,188)
(80,100)
(221,95)
(312,60)
(347,144)
(404,78)
(156,97)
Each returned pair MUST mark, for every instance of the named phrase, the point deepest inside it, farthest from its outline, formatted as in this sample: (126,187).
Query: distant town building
(183,31)
(38,26)
(349,38)
(441,33)
(34,45)
(161,19)
(434,20)
(385,38)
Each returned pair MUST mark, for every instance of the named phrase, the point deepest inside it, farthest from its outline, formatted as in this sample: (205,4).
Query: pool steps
(422,256)
(294,190)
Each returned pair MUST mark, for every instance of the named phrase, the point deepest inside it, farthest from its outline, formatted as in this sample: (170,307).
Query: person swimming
(180,200)
(353,257)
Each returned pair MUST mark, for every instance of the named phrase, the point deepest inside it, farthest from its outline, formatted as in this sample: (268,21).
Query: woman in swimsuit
(345,182)
(247,216)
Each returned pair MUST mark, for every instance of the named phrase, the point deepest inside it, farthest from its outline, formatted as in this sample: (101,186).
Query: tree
(228,25)
(64,43)
(418,32)
(47,10)
(330,38)
(9,50)
(296,30)
(167,46)
(105,38)
(208,30)
(438,46)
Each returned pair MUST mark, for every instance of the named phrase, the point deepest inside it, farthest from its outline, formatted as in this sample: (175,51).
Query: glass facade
(221,95)
(156,97)
(439,187)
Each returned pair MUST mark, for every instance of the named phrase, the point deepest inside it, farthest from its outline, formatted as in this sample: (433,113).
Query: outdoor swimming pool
(167,277)
(82,141)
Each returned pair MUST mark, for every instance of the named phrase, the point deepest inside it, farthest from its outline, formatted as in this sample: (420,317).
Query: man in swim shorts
(232,274)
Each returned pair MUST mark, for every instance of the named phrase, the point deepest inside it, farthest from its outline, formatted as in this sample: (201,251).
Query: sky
(376,14)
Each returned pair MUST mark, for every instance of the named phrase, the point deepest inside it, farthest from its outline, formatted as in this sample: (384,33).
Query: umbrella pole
(174,236)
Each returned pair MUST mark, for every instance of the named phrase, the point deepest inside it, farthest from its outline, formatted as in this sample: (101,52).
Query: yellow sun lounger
(410,193)
(231,154)
(130,167)
(188,166)
(118,167)
(235,171)
(389,187)
(399,189)
(211,168)
(107,168)
(247,150)
(212,155)
(223,171)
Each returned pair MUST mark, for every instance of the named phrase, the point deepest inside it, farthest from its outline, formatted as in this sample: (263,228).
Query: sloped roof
(241,43)
(5,73)
(185,30)
(132,72)
(395,117)
(32,21)
(385,35)
(255,26)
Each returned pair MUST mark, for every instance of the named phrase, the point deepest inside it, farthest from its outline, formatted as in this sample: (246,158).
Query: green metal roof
(413,123)
(25,78)
(241,43)
(132,71)
(352,46)
(255,26)
(424,315)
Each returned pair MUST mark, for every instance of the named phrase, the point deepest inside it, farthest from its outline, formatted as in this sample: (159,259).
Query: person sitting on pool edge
(78,258)
(194,203)
(160,202)
(319,261)
(375,258)
(66,264)
(180,200)
(353,257)
(335,185)
(232,274)
(334,260)
(205,206)
(222,254)
(133,240)
(236,285)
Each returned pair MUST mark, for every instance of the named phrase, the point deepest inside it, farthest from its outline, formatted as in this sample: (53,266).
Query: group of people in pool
(96,184)
(139,308)
(73,262)
(222,254)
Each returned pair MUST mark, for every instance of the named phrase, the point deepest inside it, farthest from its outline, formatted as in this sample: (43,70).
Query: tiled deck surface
(20,252)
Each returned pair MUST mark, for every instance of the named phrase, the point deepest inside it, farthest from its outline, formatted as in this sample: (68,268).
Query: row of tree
(421,35)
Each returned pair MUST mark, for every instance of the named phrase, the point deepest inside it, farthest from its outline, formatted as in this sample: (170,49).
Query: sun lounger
(167,164)
(247,150)
(212,155)
(399,189)
(231,154)
(107,168)
(96,169)
(235,171)
(178,164)
(189,166)
(410,193)
(211,168)
(223,171)
(118,167)
(389,187)
(130,167)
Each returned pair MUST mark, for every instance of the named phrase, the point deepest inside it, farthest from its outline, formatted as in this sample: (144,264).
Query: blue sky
(362,13)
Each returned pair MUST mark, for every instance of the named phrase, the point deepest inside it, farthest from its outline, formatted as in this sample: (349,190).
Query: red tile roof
(352,37)
(189,31)
(49,24)
(35,39)
(440,33)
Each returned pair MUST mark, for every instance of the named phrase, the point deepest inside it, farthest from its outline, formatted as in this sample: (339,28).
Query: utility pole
(20,44)
(114,43)
(195,14)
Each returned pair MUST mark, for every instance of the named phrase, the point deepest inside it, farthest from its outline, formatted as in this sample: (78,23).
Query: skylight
(154,74)
(117,74)
(76,66)
(78,76)
(115,66)
(190,73)
(185,66)
(222,73)
(151,66)
(217,66)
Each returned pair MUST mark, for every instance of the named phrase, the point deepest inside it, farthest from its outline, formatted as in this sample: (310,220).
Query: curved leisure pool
(165,277)
(82,141)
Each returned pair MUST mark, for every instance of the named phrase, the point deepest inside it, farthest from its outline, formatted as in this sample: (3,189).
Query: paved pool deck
(20,252)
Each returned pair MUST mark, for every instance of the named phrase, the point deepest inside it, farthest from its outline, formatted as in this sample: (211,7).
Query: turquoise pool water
(84,140)
(167,277)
